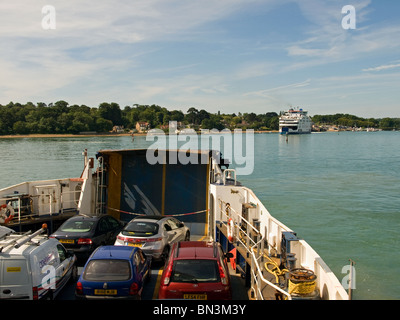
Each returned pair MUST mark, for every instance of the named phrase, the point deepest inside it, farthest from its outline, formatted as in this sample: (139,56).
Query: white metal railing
(74,199)
(242,230)
(100,186)
(52,200)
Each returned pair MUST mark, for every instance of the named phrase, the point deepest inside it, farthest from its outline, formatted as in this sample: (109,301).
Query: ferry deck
(201,193)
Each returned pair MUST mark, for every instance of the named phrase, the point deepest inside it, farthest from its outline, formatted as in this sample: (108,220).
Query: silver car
(153,234)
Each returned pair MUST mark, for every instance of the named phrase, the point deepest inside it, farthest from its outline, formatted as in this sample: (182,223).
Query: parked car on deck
(153,234)
(114,272)
(32,266)
(196,270)
(82,234)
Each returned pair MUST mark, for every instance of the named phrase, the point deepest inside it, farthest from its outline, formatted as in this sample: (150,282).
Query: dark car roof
(84,217)
(114,252)
(78,217)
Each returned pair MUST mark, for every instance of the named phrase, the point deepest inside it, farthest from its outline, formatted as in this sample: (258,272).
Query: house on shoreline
(142,126)
(118,129)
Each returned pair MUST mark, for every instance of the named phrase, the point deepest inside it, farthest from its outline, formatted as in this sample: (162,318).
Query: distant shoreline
(66,135)
(69,135)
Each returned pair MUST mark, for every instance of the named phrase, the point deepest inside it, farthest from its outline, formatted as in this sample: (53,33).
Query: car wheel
(74,274)
(165,254)
(187,237)
(49,295)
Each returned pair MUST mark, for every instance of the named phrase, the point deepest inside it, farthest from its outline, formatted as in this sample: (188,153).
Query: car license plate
(195,296)
(139,245)
(105,292)
(71,241)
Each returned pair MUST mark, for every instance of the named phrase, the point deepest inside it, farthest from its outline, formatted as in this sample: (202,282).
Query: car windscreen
(77,226)
(140,228)
(107,270)
(195,271)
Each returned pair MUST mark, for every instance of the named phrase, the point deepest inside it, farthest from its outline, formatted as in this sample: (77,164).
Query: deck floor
(268,292)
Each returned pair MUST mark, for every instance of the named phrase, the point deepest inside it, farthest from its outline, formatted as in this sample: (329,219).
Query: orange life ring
(6,213)
(230,227)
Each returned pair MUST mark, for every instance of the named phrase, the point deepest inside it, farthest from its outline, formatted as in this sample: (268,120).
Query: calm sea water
(339,191)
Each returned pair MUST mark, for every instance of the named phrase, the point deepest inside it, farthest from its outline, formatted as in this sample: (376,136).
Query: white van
(33,266)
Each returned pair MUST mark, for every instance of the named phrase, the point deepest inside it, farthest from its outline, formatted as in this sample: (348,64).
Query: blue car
(114,272)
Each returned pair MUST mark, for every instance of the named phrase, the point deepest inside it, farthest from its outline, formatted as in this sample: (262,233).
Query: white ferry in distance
(295,122)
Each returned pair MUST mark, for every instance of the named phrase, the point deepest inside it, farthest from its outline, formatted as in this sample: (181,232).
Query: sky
(223,55)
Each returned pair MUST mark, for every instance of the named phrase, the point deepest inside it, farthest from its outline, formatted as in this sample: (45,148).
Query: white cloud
(103,21)
(93,40)
(325,41)
(252,69)
(121,51)
(383,67)
(291,86)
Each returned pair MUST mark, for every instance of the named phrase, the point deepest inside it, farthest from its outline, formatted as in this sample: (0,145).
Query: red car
(196,270)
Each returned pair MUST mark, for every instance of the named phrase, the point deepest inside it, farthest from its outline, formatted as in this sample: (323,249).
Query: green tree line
(60,117)
(348,120)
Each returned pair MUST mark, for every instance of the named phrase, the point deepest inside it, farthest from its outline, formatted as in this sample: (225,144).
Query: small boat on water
(295,121)
(203,193)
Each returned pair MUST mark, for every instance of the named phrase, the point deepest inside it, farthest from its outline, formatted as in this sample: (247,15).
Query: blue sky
(228,55)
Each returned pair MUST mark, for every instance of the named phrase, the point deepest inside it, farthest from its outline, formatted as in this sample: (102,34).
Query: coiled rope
(302,281)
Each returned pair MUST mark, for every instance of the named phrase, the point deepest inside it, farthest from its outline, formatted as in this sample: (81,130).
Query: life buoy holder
(230,227)
(6,213)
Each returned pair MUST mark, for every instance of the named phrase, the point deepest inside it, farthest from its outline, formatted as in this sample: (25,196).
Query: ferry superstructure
(295,121)
(205,194)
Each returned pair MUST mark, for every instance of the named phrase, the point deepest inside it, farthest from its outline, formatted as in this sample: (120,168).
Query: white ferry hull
(295,122)
(282,131)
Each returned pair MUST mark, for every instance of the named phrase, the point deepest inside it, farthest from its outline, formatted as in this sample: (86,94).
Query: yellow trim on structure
(114,184)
